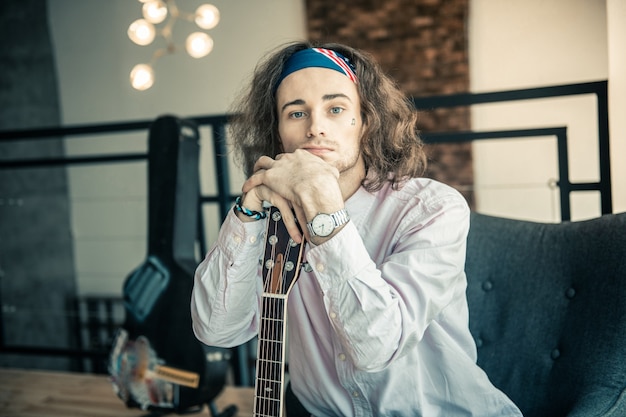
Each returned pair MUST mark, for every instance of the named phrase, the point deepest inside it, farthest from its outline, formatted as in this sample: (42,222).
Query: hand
(254,200)
(299,181)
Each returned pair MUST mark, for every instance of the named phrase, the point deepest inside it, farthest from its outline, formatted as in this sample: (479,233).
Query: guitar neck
(281,269)
(270,365)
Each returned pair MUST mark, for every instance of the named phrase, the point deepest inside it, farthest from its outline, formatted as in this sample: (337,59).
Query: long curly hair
(390,144)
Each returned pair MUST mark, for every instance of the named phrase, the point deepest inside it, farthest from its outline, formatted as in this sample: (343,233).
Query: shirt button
(237,239)
(320,267)
(342,357)
(252,239)
(333,315)
(355,394)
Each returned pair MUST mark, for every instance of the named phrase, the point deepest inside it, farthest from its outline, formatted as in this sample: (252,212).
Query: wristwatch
(324,224)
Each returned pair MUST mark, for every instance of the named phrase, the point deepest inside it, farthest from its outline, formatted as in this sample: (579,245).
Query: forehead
(313,83)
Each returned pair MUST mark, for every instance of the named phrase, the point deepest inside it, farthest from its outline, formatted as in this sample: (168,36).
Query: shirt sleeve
(226,292)
(381,311)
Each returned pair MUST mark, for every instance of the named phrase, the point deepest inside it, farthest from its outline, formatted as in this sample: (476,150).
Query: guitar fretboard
(270,367)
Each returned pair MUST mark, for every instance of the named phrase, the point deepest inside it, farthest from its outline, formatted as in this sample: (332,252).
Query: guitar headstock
(281,263)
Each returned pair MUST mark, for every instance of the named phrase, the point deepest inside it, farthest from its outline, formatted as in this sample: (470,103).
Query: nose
(316,126)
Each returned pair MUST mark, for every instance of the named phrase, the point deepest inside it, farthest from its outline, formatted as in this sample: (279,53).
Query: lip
(318,151)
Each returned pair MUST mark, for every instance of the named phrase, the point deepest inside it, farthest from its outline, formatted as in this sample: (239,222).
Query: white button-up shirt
(379,325)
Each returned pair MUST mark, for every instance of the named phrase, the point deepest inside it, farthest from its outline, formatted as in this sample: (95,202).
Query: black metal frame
(224,198)
(597,88)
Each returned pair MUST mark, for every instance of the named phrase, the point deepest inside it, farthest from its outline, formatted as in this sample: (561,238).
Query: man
(379,324)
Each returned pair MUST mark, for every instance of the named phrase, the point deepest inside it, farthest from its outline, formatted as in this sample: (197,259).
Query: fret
(281,268)
(271,353)
(271,403)
(270,328)
(269,370)
(273,309)
(268,389)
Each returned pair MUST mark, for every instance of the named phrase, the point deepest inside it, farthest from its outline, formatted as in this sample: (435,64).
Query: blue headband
(320,58)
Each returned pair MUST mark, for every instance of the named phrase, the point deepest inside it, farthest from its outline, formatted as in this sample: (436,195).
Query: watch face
(323,225)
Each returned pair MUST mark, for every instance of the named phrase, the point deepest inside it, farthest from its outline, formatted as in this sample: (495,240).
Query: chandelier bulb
(142,77)
(141,32)
(154,11)
(199,44)
(207,16)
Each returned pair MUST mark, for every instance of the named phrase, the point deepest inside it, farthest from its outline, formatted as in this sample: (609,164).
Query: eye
(297,115)
(336,110)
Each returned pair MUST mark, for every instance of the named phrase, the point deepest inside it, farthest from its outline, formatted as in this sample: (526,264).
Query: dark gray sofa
(548,312)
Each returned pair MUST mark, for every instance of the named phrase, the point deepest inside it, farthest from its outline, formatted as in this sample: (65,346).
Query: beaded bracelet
(257,215)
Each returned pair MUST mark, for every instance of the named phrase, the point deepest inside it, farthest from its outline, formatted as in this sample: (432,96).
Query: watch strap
(340,217)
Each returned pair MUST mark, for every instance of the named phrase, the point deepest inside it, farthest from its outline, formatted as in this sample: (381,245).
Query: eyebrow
(325,97)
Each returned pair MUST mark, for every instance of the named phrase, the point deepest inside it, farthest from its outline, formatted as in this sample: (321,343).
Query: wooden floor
(58,394)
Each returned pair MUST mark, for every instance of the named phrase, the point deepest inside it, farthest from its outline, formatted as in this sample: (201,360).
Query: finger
(258,176)
(302,221)
(289,219)
(255,180)
(252,200)
(263,162)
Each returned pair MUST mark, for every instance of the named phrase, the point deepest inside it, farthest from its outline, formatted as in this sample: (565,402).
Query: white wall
(513,44)
(534,43)
(94,58)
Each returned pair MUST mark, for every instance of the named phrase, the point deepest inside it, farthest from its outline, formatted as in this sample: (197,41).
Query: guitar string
(260,404)
(278,323)
(271,303)
(271,345)
(262,361)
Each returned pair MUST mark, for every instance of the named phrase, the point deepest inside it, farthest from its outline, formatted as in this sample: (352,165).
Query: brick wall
(422,44)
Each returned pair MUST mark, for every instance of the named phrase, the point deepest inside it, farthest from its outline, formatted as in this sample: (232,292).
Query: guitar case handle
(144,287)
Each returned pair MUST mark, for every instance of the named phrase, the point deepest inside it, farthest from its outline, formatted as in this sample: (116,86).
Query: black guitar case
(156,362)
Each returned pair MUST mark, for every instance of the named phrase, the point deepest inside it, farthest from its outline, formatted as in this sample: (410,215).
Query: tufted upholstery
(548,312)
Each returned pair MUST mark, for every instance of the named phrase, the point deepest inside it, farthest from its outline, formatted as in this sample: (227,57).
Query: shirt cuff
(338,259)
(240,240)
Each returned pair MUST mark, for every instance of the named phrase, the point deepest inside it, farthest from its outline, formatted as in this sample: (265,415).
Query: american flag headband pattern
(320,58)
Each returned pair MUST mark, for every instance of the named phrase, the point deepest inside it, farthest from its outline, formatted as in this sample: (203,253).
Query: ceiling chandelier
(144,30)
